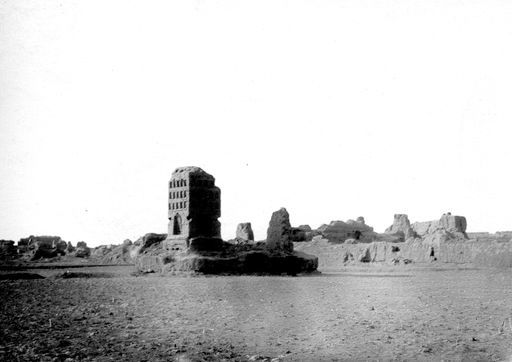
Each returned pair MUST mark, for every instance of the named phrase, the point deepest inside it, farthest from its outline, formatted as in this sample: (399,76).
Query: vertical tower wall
(193,207)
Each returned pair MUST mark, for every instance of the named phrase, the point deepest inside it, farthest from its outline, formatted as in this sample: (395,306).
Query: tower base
(175,243)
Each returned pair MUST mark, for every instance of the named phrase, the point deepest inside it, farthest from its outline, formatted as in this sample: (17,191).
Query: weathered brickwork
(193,207)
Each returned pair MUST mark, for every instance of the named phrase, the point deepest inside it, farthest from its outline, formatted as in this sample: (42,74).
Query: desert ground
(408,312)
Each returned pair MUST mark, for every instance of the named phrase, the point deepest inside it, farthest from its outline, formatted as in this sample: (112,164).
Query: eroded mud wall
(483,254)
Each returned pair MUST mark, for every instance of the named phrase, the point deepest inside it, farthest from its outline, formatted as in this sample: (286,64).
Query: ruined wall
(489,254)
(279,231)
(401,227)
(244,232)
(471,252)
(448,222)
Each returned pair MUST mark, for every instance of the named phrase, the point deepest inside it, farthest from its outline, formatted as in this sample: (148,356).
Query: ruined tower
(194,206)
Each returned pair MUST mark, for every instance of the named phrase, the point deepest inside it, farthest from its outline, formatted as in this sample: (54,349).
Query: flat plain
(365,313)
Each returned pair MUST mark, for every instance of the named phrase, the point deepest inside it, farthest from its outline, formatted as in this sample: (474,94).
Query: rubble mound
(43,247)
(339,231)
(100,251)
(81,250)
(69,248)
(7,250)
(40,247)
(112,254)
(302,233)
(126,252)
(146,241)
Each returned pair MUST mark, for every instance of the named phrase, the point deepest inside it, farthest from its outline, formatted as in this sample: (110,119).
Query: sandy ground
(401,313)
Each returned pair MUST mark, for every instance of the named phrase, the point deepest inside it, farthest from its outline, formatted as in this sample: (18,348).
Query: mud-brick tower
(194,206)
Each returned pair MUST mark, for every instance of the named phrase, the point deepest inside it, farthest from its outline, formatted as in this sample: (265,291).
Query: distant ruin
(244,232)
(352,231)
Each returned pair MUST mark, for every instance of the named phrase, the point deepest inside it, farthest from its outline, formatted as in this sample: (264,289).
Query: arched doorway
(176,229)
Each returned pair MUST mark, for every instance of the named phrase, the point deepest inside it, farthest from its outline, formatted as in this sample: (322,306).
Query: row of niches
(177,183)
(195,183)
(177,194)
(177,205)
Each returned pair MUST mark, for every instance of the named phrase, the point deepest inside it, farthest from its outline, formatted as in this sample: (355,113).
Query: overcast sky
(332,109)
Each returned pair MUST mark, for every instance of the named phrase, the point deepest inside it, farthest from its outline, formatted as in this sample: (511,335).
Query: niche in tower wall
(176,230)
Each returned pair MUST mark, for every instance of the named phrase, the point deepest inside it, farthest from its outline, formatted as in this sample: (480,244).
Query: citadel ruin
(193,241)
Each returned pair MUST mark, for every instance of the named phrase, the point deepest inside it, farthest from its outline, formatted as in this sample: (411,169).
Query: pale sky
(332,109)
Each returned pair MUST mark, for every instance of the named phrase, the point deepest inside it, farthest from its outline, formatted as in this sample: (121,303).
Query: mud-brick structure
(194,206)
(193,243)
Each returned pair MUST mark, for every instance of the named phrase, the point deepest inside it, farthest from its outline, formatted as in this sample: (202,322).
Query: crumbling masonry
(194,206)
